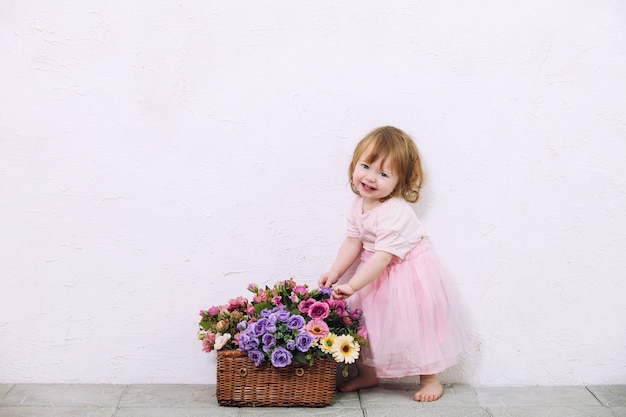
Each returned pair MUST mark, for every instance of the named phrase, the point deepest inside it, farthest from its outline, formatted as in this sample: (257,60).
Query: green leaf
(262,306)
(300,357)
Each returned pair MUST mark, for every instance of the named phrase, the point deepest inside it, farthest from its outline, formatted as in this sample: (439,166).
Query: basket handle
(299,371)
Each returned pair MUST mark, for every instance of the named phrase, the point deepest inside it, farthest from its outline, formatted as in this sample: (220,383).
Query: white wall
(158,156)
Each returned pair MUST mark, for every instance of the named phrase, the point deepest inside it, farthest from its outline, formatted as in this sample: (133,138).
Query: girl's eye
(365,166)
(382,174)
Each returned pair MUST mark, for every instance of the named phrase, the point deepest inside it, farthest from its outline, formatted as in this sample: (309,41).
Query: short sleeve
(398,229)
(353,229)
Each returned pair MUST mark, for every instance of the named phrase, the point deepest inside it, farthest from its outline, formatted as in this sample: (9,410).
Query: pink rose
(208,342)
(335,304)
(300,289)
(304,306)
(261,296)
(319,310)
(237,302)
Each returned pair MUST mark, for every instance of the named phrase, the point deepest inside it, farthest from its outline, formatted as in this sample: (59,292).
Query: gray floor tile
(59,395)
(56,411)
(4,389)
(300,412)
(619,411)
(346,400)
(557,411)
(157,395)
(505,397)
(200,411)
(397,401)
(390,399)
(387,396)
(610,395)
(426,412)
(456,395)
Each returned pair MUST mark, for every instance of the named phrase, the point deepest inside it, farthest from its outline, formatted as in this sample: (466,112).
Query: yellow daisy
(327,343)
(346,349)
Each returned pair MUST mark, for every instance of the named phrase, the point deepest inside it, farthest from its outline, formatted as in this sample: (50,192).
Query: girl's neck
(369,205)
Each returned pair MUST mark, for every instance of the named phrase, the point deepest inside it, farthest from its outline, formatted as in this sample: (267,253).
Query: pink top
(391,227)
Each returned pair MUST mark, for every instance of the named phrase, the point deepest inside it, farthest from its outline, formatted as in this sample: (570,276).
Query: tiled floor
(33,400)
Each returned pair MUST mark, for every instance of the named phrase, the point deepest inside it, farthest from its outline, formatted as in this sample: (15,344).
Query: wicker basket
(241,383)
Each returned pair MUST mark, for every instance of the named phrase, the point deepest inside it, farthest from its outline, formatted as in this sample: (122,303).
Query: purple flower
(291,344)
(295,322)
(327,291)
(283,315)
(269,340)
(248,342)
(304,341)
(259,327)
(281,357)
(256,356)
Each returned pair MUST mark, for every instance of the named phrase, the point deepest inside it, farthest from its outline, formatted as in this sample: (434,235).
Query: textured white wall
(157,156)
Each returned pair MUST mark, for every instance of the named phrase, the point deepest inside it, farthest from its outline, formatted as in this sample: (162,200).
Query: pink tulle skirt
(412,319)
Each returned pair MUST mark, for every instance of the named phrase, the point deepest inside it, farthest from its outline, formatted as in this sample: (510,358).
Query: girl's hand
(327,279)
(341,292)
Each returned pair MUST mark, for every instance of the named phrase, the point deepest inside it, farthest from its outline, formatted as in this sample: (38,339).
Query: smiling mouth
(367,187)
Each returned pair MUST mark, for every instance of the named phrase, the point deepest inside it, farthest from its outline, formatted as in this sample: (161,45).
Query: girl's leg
(430,389)
(366,378)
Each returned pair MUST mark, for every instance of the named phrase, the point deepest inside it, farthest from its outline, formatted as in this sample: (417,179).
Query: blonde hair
(395,146)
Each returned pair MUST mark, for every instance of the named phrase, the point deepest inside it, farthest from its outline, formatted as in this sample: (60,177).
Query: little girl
(413,327)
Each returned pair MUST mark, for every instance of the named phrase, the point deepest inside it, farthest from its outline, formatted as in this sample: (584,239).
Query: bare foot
(430,389)
(359,382)
(366,378)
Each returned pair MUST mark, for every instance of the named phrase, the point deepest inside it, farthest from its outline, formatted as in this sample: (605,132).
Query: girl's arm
(366,274)
(348,252)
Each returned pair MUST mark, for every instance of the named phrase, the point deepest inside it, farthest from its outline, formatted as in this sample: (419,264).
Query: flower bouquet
(219,324)
(285,326)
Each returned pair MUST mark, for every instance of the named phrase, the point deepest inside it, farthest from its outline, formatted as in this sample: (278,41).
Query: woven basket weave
(241,383)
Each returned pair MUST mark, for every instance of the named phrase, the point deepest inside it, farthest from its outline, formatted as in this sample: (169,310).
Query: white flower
(345,349)
(220,340)
(327,343)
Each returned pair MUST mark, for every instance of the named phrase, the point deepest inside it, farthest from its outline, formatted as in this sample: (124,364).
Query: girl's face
(374,180)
